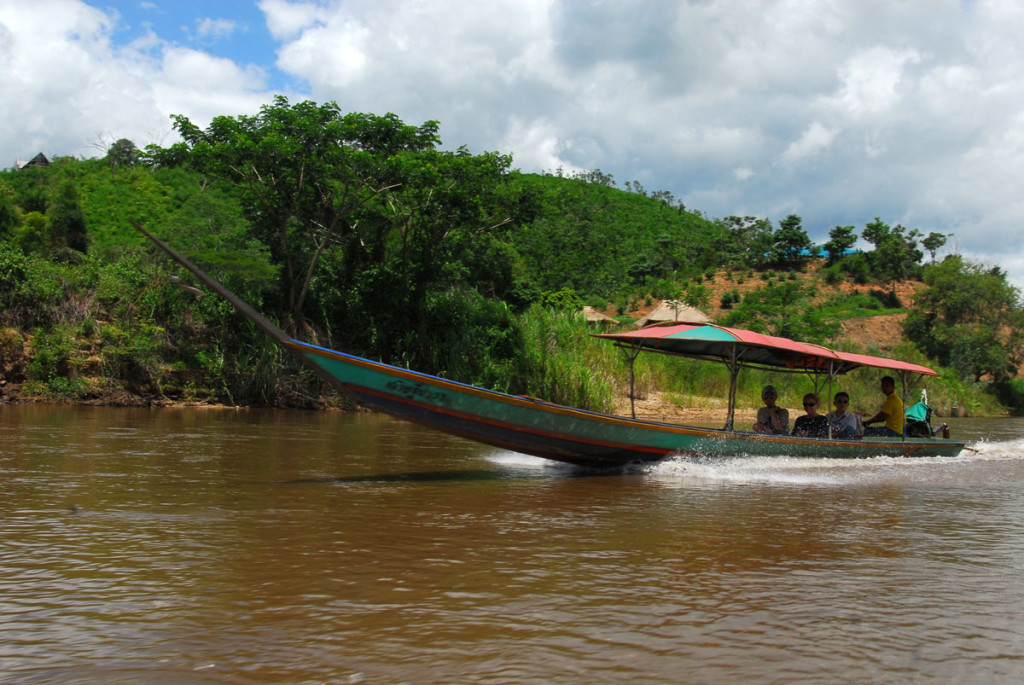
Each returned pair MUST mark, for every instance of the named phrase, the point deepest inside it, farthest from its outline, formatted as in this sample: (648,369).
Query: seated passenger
(812,424)
(891,413)
(844,423)
(770,418)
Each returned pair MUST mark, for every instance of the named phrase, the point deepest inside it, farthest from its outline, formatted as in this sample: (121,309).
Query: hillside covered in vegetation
(358,232)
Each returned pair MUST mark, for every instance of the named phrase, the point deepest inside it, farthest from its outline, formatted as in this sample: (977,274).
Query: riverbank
(654,406)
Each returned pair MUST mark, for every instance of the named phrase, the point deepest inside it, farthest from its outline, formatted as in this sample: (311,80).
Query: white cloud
(871,81)
(287,19)
(215,28)
(838,110)
(543,149)
(65,83)
(814,140)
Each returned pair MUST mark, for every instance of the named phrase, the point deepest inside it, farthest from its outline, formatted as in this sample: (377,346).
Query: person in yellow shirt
(891,413)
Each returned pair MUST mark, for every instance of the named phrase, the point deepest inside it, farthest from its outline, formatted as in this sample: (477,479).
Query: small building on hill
(39,160)
(673,310)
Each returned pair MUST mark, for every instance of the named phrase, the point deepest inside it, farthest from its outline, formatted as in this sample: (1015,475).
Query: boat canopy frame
(729,346)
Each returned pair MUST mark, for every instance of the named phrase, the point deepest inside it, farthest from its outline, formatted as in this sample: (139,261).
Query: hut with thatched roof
(673,310)
(596,317)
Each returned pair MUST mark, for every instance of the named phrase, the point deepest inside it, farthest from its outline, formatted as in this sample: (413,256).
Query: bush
(858,268)
(889,300)
(51,352)
(832,275)
(1011,395)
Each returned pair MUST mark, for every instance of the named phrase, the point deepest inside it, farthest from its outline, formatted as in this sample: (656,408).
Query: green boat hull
(566,434)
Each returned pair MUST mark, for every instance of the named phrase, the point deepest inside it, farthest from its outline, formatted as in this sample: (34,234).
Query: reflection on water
(217,546)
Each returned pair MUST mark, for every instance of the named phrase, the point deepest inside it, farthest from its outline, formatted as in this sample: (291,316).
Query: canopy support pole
(828,400)
(632,353)
(903,383)
(734,370)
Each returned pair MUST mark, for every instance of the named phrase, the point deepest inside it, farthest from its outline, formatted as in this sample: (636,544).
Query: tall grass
(563,363)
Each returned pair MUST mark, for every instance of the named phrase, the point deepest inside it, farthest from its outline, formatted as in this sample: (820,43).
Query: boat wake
(980,462)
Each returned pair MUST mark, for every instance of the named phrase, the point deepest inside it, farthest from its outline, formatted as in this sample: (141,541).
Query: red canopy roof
(709,341)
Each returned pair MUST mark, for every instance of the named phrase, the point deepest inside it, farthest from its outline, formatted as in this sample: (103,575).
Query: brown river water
(197,546)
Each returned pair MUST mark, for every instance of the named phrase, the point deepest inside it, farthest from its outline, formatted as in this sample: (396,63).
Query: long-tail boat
(577,436)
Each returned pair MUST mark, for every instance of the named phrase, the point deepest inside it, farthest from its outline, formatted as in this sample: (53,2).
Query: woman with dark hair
(812,424)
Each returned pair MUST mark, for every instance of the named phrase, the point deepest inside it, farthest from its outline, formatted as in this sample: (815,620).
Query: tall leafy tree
(841,239)
(436,228)
(934,242)
(896,254)
(370,226)
(970,318)
(303,171)
(790,242)
(122,153)
(748,240)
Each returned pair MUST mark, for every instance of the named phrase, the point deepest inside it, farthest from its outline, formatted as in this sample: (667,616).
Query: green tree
(747,241)
(122,153)
(33,234)
(896,255)
(841,239)
(303,171)
(697,295)
(437,228)
(783,310)
(970,318)
(9,218)
(67,221)
(934,242)
(790,242)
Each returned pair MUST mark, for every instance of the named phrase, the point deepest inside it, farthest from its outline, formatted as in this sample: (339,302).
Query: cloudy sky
(837,110)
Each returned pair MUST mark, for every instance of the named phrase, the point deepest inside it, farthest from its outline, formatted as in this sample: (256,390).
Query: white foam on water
(1003,449)
(516,459)
(973,464)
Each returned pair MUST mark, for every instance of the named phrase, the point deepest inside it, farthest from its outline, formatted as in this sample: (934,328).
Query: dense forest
(359,232)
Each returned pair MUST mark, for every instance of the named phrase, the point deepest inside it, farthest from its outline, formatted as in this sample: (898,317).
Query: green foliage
(33,232)
(896,255)
(565,299)
(304,172)
(10,218)
(841,239)
(355,230)
(697,295)
(783,310)
(67,221)
(728,299)
(133,355)
(122,153)
(969,318)
(934,242)
(470,338)
(744,241)
(51,354)
(563,363)
(599,240)
(789,242)
(1011,394)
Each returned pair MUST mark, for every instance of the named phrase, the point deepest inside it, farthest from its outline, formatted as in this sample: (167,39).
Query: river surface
(199,546)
